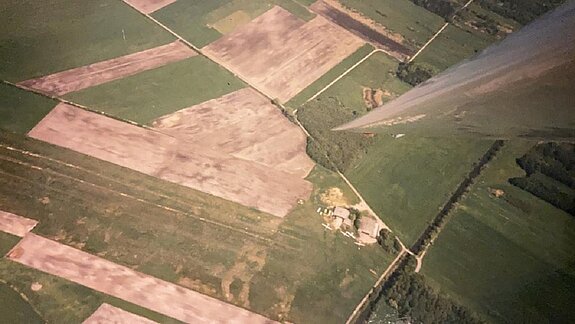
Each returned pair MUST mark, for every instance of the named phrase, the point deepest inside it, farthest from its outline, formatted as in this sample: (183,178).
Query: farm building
(369,226)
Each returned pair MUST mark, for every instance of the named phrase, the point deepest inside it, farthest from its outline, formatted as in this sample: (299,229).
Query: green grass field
(331,75)
(40,37)
(413,22)
(194,20)
(452,46)
(148,95)
(14,309)
(508,258)
(203,242)
(329,274)
(20,110)
(342,102)
(59,300)
(406,181)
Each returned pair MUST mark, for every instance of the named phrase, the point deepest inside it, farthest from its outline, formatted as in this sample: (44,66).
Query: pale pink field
(246,125)
(148,6)
(108,314)
(281,54)
(15,225)
(194,165)
(124,283)
(98,73)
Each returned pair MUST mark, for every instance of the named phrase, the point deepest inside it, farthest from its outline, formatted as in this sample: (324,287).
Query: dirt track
(192,165)
(108,314)
(281,54)
(98,73)
(377,35)
(15,225)
(124,283)
(149,6)
(246,125)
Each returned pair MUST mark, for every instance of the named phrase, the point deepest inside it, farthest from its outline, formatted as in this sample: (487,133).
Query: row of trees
(408,293)
(550,174)
(443,8)
(522,11)
(441,218)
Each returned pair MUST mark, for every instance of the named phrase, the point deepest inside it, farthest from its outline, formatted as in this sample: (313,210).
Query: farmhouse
(369,226)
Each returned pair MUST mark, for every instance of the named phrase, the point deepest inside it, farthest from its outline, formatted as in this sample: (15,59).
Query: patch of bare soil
(148,6)
(15,225)
(107,314)
(290,53)
(98,73)
(333,197)
(168,158)
(124,283)
(250,261)
(246,125)
(373,98)
(369,30)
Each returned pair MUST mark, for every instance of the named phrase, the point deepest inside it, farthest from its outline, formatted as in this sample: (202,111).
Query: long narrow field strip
(290,52)
(107,313)
(16,225)
(124,283)
(149,6)
(365,28)
(160,155)
(95,74)
(246,125)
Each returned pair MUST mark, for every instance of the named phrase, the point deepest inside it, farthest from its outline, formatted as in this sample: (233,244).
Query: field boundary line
(438,33)
(170,209)
(383,276)
(344,73)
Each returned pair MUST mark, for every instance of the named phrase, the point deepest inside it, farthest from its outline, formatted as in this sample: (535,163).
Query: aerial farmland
(169,161)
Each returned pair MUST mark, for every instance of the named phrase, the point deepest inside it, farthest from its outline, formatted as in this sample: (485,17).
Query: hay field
(20,110)
(41,38)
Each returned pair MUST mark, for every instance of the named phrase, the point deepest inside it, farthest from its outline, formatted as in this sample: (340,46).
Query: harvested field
(148,6)
(291,53)
(364,28)
(106,314)
(246,125)
(150,152)
(98,73)
(15,225)
(124,283)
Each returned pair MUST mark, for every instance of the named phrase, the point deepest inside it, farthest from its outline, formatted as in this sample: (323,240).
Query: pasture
(452,46)
(20,110)
(510,256)
(38,40)
(183,236)
(413,22)
(14,309)
(148,95)
(202,22)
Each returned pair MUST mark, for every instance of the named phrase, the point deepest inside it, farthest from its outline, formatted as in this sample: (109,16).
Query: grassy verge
(40,37)
(148,95)
(509,258)
(20,111)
